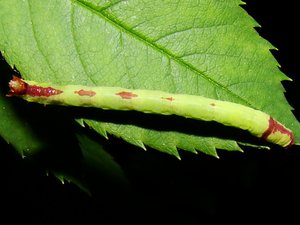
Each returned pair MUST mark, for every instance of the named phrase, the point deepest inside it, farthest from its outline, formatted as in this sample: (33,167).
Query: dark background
(253,185)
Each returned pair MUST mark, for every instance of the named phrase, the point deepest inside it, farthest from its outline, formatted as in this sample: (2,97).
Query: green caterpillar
(256,122)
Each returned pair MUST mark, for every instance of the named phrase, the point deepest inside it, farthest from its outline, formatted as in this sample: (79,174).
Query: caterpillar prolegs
(256,122)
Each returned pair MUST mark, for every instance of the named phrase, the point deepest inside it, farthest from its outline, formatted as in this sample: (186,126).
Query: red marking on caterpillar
(126,95)
(274,127)
(169,98)
(19,87)
(85,93)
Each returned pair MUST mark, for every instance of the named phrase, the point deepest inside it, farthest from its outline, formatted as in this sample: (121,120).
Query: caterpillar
(227,113)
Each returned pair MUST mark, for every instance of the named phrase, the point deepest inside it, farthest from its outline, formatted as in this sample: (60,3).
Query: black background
(253,185)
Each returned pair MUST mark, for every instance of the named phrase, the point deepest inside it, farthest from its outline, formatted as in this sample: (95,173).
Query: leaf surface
(17,131)
(204,47)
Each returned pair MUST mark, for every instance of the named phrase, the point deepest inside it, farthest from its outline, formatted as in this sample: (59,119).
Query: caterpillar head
(17,86)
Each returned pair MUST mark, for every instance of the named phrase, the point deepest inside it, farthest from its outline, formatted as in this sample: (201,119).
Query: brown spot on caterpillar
(127,95)
(85,93)
(212,104)
(19,87)
(275,127)
(169,98)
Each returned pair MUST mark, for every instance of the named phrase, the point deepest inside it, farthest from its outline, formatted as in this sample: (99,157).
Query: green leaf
(95,169)
(204,47)
(99,162)
(16,130)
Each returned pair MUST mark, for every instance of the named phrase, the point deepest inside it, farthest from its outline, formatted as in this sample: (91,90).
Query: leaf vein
(115,22)
(72,26)
(34,34)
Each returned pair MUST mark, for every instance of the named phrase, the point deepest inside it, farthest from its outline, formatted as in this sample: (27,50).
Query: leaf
(200,47)
(96,168)
(98,162)
(16,130)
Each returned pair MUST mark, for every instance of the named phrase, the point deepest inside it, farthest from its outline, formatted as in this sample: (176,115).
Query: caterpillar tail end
(278,134)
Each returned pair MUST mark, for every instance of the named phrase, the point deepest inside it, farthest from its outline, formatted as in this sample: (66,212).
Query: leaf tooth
(102,132)
(172,150)
(140,144)
(99,129)
(209,150)
(64,178)
(192,150)
(177,154)
(60,178)
(81,122)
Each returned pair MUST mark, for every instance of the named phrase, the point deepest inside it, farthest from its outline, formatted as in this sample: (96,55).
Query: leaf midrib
(112,20)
